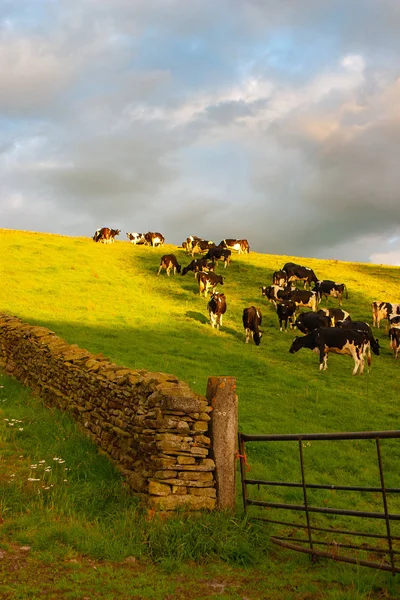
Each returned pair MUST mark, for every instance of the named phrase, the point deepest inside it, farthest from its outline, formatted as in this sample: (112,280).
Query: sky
(277,121)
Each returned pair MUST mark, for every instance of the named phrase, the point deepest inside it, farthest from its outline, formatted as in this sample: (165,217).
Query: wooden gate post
(221,393)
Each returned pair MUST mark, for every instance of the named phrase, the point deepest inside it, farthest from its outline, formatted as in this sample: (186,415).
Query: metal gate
(386,545)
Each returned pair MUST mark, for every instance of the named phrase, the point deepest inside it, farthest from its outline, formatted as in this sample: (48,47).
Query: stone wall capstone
(150,425)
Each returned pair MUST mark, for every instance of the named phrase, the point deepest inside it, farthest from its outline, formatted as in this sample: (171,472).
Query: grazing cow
(383,310)
(208,281)
(275,293)
(198,264)
(153,238)
(309,321)
(330,339)
(303,299)
(219,254)
(364,328)
(105,235)
(286,311)
(279,278)
(394,344)
(252,319)
(216,308)
(136,238)
(201,246)
(168,262)
(326,288)
(241,246)
(299,273)
(335,315)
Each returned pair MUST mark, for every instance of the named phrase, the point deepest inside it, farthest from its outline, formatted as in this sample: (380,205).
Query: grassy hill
(107,298)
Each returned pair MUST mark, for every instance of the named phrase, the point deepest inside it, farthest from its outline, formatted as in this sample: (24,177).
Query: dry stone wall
(152,426)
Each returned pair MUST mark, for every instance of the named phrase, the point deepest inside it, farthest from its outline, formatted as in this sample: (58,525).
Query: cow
(105,235)
(137,239)
(335,315)
(198,264)
(190,242)
(394,344)
(168,262)
(275,293)
(394,320)
(364,328)
(286,311)
(201,246)
(216,254)
(299,273)
(326,287)
(279,278)
(331,339)
(383,310)
(153,238)
(303,299)
(252,319)
(208,281)
(241,246)
(216,308)
(309,321)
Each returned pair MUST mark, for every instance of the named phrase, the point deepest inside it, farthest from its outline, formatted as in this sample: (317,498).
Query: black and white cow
(326,287)
(309,321)
(252,319)
(331,339)
(335,315)
(208,281)
(198,264)
(303,299)
(216,254)
(105,235)
(275,293)
(168,262)
(383,310)
(299,273)
(216,308)
(394,320)
(286,311)
(154,238)
(394,337)
(364,328)
(241,246)
(137,239)
(279,278)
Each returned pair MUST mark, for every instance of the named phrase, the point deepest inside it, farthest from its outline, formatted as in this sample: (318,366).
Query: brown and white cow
(198,264)
(190,242)
(153,238)
(252,319)
(216,308)
(105,235)
(216,254)
(168,262)
(241,246)
(201,246)
(208,281)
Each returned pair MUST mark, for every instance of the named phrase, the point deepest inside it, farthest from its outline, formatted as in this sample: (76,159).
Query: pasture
(107,298)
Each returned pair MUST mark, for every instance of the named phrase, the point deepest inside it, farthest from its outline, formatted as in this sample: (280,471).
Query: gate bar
(329,511)
(355,435)
(320,486)
(385,506)
(303,480)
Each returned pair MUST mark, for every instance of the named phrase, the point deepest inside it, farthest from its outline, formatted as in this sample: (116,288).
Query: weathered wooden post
(221,393)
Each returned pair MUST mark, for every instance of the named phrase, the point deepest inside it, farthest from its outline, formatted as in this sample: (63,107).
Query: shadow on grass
(196,316)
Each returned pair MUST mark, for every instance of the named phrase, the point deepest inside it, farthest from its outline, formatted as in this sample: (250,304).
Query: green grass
(107,298)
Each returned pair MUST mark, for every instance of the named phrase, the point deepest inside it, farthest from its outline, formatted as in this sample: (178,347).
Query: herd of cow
(326,330)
